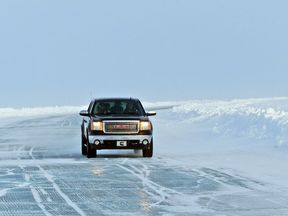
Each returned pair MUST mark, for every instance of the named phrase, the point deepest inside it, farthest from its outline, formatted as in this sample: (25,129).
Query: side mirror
(151,113)
(84,113)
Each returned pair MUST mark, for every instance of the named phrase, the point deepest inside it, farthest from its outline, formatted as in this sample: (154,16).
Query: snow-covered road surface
(196,169)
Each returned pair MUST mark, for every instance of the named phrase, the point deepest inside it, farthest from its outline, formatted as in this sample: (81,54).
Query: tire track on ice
(9,172)
(33,190)
(50,179)
(158,192)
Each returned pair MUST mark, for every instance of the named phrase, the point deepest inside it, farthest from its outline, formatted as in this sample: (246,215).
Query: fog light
(97,142)
(145,142)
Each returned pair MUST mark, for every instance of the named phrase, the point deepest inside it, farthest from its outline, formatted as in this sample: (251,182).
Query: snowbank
(37,111)
(251,118)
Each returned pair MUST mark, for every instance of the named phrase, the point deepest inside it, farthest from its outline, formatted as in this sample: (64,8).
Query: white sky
(65,52)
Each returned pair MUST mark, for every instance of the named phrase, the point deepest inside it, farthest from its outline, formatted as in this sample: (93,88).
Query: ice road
(212,158)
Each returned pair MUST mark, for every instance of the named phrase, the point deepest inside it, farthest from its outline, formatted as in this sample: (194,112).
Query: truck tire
(149,151)
(90,151)
(83,147)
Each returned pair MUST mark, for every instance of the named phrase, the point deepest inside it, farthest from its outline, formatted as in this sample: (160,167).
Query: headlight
(96,126)
(145,125)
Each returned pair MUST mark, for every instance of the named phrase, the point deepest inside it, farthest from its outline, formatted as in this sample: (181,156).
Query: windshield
(118,107)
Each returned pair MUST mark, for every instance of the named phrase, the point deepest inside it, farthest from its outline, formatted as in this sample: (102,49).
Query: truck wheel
(83,147)
(90,151)
(149,151)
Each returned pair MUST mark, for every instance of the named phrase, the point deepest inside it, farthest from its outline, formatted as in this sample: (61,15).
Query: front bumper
(109,141)
(141,138)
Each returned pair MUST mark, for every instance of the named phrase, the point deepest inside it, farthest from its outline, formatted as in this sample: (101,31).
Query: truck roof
(116,98)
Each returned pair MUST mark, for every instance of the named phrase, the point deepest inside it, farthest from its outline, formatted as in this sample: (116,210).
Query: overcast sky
(65,52)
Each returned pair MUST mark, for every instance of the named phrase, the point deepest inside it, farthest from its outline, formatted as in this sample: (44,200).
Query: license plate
(121,143)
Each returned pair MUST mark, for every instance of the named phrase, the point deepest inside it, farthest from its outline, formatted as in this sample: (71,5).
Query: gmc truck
(116,123)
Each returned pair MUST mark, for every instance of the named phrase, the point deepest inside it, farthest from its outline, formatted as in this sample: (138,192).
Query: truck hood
(142,118)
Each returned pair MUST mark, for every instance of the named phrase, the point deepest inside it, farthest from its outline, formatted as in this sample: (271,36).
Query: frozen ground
(212,158)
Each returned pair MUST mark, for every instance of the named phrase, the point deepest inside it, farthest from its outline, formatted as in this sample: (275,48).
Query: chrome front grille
(121,127)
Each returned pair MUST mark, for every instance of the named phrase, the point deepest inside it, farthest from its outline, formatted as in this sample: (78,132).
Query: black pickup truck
(116,123)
